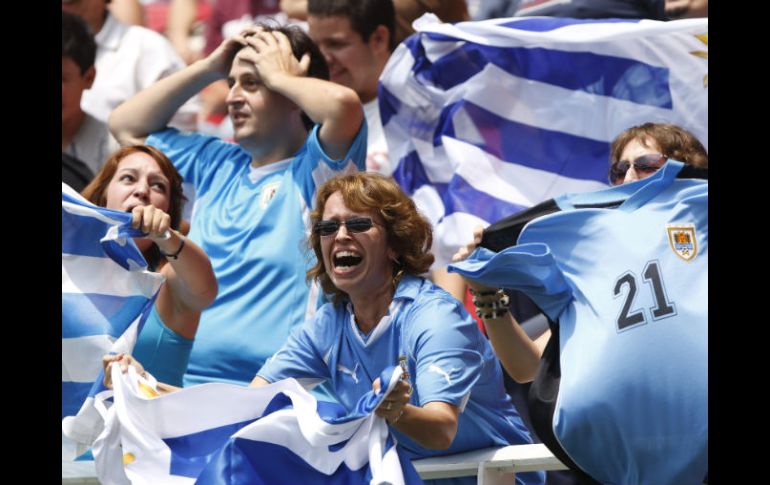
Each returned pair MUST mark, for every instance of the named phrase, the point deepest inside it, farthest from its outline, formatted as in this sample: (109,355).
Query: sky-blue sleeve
(195,156)
(313,166)
(446,346)
(300,357)
(530,268)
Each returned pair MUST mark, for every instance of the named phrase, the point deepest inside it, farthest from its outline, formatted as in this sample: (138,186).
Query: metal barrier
(493,466)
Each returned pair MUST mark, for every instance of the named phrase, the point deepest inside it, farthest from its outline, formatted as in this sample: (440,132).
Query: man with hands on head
(293,130)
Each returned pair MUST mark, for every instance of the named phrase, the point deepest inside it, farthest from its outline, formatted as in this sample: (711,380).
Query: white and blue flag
(219,433)
(485,119)
(107,293)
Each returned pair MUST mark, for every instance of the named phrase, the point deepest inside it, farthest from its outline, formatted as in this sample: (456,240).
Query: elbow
(442,439)
(121,131)
(210,294)
(520,375)
(349,108)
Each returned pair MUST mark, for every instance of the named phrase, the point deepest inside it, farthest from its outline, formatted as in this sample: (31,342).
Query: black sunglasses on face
(646,163)
(355,225)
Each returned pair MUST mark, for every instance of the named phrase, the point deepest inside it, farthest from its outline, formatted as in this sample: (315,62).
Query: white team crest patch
(681,238)
(267,193)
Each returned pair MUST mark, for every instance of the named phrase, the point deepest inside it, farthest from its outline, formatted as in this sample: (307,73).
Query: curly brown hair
(409,234)
(675,142)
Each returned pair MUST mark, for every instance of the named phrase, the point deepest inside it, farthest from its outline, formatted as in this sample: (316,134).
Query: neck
(70,127)
(265,154)
(369,308)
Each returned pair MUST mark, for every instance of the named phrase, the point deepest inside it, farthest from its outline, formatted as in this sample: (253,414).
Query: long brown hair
(409,234)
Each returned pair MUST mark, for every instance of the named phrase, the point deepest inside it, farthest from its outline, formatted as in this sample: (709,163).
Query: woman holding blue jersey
(371,246)
(141,180)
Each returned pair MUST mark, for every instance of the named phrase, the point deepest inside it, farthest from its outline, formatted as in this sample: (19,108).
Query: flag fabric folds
(226,434)
(485,119)
(107,292)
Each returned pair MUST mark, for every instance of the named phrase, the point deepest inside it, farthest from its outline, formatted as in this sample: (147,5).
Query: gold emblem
(681,238)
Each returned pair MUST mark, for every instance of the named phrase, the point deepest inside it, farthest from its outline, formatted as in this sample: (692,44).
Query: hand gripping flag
(107,292)
(226,434)
(485,119)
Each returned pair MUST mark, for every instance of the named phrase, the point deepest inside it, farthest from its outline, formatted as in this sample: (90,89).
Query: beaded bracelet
(497,313)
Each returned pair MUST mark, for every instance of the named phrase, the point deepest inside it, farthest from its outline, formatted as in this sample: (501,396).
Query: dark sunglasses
(355,225)
(647,164)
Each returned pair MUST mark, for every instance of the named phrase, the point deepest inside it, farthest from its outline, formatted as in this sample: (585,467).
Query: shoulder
(427,298)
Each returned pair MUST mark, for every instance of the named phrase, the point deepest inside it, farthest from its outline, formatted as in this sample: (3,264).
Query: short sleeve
(447,349)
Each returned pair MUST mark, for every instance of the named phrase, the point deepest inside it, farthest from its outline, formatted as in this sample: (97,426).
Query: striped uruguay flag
(220,433)
(485,119)
(107,293)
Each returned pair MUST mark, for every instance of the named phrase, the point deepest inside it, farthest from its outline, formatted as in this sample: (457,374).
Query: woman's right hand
(124,361)
(466,251)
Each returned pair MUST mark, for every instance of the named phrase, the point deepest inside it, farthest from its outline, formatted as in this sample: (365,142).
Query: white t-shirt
(377,158)
(128,59)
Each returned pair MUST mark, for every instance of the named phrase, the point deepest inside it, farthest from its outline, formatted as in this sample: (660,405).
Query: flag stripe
(86,315)
(547,24)
(578,71)
(81,358)
(86,274)
(76,393)
(532,146)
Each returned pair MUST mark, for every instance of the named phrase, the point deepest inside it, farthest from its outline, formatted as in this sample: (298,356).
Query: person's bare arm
(181,17)
(127,11)
(433,425)
(517,352)
(151,109)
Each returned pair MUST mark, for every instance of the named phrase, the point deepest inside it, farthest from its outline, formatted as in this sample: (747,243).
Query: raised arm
(151,109)
(518,353)
(335,107)
(190,282)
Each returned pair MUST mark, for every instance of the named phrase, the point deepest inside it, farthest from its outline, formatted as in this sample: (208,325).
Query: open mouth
(346,261)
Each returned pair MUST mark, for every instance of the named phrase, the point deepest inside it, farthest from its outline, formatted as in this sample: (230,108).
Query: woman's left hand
(392,407)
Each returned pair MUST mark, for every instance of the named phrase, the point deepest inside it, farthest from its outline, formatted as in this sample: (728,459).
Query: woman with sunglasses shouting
(371,247)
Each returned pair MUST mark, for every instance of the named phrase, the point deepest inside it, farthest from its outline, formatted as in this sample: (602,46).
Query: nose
(142,190)
(342,235)
(234,96)
(632,175)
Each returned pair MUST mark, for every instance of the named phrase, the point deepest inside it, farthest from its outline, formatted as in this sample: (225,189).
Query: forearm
(193,282)
(519,355)
(151,109)
(432,426)
(181,17)
(335,107)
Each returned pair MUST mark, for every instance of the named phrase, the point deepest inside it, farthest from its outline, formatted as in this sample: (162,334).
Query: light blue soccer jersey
(627,285)
(254,232)
(448,360)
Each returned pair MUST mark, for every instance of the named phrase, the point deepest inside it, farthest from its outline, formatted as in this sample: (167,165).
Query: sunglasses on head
(646,163)
(354,224)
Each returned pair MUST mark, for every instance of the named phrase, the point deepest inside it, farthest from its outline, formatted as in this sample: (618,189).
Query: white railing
(493,466)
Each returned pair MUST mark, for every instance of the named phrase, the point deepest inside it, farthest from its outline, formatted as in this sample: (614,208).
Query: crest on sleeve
(681,238)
